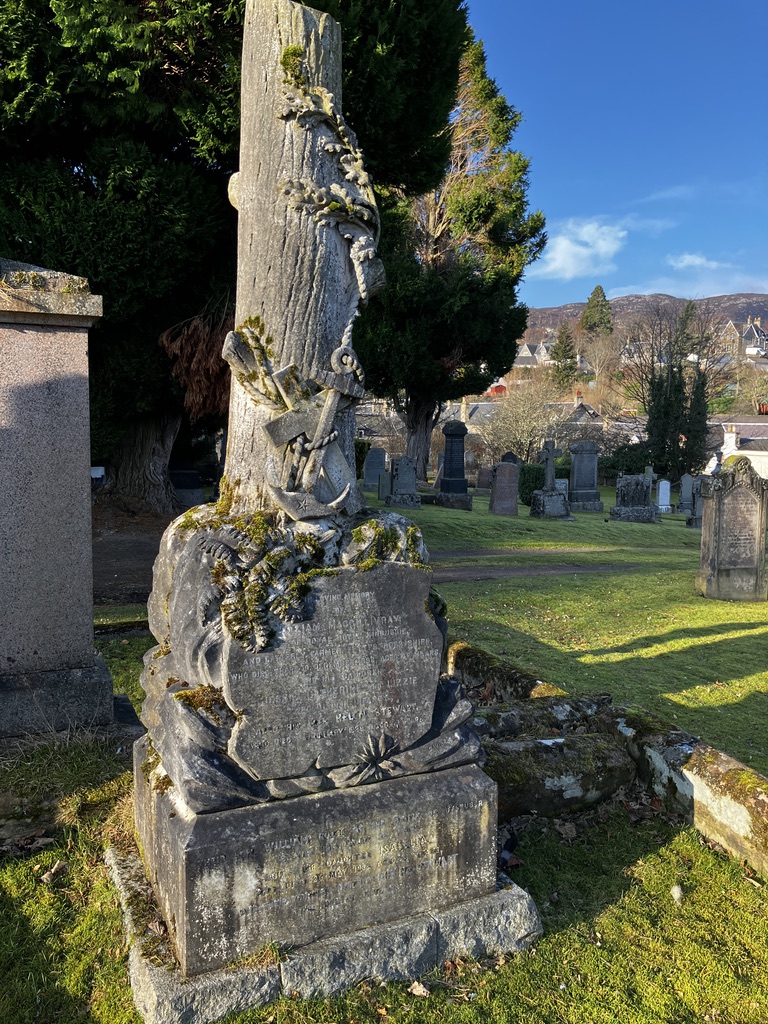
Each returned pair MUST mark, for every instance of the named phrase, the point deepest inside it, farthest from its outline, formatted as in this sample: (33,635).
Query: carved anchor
(318,463)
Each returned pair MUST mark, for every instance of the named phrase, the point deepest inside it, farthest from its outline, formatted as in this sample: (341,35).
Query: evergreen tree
(449,321)
(597,317)
(563,355)
(119,126)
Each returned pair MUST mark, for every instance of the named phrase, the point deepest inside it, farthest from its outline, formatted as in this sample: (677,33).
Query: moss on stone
(205,699)
(292,63)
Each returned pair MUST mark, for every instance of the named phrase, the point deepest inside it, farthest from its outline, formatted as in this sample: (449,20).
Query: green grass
(617,949)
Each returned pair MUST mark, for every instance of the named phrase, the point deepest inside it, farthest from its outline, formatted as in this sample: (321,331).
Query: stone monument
(504,489)
(550,502)
(685,501)
(306,773)
(733,533)
(583,493)
(633,499)
(402,492)
(50,677)
(375,464)
(664,496)
(695,519)
(484,478)
(453,492)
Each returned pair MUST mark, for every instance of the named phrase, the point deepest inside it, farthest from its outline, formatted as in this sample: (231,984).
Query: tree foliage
(597,317)
(119,125)
(449,321)
(529,415)
(685,373)
(563,355)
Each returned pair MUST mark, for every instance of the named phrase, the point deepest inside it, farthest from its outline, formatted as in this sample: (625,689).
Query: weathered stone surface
(37,702)
(160,993)
(583,492)
(504,489)
(685,499)
(307,233)
(485,677)
(633,499)
(395,952)
(484,478)
(732,564)
(462,502)
(549,505)
(504,921)
(298,871)
(49,676)
(553,775)
(374,464)
(403,484)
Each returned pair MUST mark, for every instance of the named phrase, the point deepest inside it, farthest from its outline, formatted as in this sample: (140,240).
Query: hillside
(626,307)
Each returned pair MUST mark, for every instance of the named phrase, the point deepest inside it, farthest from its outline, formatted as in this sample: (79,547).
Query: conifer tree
(563,355)
(597,317)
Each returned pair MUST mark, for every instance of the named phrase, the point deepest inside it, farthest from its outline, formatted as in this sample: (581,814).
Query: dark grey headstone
(685,502)
(454,480)
(504,485)
(403,484)
(375,464)
(583,492)
(484,477)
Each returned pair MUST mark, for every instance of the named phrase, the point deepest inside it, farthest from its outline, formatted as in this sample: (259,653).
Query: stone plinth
(297,871)
(550,505)
(50,677)
(733,534)
(635,513)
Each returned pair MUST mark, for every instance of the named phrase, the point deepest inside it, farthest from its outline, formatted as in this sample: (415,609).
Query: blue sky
(647,129)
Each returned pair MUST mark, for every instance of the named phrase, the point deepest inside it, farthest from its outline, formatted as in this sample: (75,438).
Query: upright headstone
(439,474)
(633,499)
(375,464)
(510,457)
(504,489)
(695,519)
(402,492)
(685,502)
(305,775)
(733,534)
(50,678)
(663,496)
(583,493)
(453,491)
(550,502)
(484,477)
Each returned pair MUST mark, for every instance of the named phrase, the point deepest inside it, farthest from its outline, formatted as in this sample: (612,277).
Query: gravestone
(685,502)
(694,520)
(550,502)
(50,678)
(306,774)
(561,485)
(402,492)
(663,496)
(385,485)
(453,491)
(188,487)
(504,489)
(439,473)
(510,457)
(633,499)
(733,533)
(375,464)
(484,477)
(583,493)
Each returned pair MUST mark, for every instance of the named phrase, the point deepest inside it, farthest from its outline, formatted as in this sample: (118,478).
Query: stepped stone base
(42,702)
(505,921)
(636,513)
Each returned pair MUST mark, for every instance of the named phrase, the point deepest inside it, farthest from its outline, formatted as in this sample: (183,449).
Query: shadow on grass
(29,991)
(694,633)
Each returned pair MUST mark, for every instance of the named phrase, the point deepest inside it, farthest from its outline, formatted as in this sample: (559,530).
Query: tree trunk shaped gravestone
(306,774)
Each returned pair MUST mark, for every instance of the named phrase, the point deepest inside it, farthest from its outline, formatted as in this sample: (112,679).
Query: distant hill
(626,307)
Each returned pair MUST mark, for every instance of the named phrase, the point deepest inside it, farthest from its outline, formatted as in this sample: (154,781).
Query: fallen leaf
(157,926)
(417,989)
(58,868)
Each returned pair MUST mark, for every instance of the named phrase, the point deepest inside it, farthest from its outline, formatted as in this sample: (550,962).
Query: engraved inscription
(366,664)
(740,533)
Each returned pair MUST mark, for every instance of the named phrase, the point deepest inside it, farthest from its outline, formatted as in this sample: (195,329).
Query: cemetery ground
(643,921)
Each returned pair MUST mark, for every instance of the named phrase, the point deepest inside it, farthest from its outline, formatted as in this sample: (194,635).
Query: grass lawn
(644,924)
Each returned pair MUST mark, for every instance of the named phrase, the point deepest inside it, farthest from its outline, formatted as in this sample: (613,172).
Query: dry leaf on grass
(417,989)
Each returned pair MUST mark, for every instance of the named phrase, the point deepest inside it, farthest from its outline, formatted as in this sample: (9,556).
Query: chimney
(758,321)
(577,401)
(731,439)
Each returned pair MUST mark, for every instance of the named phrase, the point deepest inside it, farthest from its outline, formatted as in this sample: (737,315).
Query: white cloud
(676,192)
(695,261)
(580,248)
